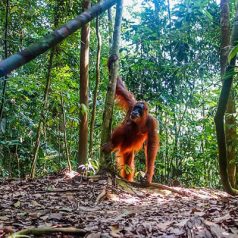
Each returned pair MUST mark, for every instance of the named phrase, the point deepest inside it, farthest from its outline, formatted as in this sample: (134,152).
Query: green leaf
(207,13)
(72,109)
(14,9)
(10,143)
(232,53)
(83,108)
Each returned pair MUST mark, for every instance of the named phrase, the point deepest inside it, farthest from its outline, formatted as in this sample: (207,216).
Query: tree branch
(52,39)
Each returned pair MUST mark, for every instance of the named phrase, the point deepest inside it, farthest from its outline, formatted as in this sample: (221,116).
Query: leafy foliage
(169,57)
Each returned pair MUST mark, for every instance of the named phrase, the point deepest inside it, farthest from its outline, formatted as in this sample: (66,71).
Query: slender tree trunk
(5,56)
(110,26)
(65,134)
(174,158)
(96,86)
(57,15)
(42,116)
(166,160)
(113,74)
(203,140)
(219,117)
(231,138)
(84,69)
(230,121)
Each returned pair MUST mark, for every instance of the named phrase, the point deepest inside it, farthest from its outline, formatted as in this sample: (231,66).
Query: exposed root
(161,187)
(47,230)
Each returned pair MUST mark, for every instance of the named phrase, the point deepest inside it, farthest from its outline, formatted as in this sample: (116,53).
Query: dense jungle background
(169,57)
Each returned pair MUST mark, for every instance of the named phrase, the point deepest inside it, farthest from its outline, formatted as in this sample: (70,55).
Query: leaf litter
(105,210)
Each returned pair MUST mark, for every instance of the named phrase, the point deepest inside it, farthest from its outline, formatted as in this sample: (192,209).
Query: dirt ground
(97,208)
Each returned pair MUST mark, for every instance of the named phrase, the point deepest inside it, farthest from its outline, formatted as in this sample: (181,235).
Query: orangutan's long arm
(151,149)
(125,99)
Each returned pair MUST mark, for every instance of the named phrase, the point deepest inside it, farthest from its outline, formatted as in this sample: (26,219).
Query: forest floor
(97,208)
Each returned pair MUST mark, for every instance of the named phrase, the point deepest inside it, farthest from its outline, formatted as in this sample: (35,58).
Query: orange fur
(125,99)
(130,136)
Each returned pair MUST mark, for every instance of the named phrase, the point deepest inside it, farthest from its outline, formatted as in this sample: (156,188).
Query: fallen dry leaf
(220,219)
(164,226)
(17,204)
(115,230)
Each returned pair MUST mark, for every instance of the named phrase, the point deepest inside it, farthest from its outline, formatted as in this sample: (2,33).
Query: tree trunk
(219,117)
(52,39)
(110,27)
(113,73)
(5,56)
(42,116)
(46,94)
(84,68)
(65,134)
(231,138)
(96,86)
(230,121)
